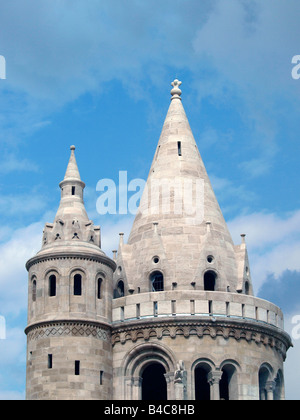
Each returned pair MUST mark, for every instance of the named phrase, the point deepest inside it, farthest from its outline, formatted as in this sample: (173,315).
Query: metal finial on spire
(72,148)
(176,92)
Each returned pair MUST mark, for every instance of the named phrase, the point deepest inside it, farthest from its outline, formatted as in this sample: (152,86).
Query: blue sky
(97,74)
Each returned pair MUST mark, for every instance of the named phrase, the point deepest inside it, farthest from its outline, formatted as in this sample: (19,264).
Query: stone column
(180,382)
(170,385)
(137,388)
(270,388)
(213,378)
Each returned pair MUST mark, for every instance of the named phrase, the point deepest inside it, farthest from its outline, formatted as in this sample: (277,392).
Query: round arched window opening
(157,282)
(247,288)
(155,260)
(154,385)
(210,259)
(120,288)
(210,278)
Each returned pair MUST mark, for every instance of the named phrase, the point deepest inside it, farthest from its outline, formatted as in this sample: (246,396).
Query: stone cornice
(73,328)
(103,259)
(237,329)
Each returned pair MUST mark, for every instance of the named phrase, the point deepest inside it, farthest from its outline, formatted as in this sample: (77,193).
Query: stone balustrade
(196,303)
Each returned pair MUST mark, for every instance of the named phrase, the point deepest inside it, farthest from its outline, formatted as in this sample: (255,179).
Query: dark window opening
(120,292)
(52,286)
(210,307)
(154,385)
(73,190)
(99,285)
(202,387)
(50,358)
(179,148)
(101,377)
(210,281)
(264,376)
(247,288)
(157,281)
(224,386)
(77,367)
(77,285)
(34,291)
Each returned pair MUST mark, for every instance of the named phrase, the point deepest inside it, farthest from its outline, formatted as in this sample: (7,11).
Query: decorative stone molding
(260,334)
(68,328)
(103,259)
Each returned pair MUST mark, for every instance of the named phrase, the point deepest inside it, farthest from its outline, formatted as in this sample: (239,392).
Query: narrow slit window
(155,308)
(52,286)
(77,367)
(50,361)
(99,286)
(34,291)
(179,148)
(101,377)
(73,190)
(77,285)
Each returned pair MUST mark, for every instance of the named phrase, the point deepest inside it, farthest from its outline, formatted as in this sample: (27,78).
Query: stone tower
(173,316)
(69,353)
(185,322)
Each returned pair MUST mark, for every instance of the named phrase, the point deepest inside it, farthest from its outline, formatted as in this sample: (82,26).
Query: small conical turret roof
(72,172)
(72,230)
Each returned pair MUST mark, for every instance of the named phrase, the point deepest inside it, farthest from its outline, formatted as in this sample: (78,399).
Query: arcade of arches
(153,380)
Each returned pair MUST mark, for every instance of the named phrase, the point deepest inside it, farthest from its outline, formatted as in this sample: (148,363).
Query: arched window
(77,285)
(263,377)
(157,281)
(210,281)
(33,289)
(202,387)
(247,288)
(120,288)
(228,383)
(154,385)
(52,285)
(99,286)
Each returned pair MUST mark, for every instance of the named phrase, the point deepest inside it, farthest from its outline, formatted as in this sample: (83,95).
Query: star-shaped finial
(176,92)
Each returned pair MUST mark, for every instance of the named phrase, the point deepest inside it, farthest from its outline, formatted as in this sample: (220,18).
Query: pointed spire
(72,172)
(71,204)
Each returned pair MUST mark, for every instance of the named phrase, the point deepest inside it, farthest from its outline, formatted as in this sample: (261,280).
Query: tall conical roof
(180,201)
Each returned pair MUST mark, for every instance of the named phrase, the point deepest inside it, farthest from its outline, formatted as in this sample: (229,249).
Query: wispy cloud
(21,204)
(12,163)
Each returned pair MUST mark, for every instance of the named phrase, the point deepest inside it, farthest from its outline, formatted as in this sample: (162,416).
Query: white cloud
(273,243)
(23,244)
(22,204)
(11,164)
